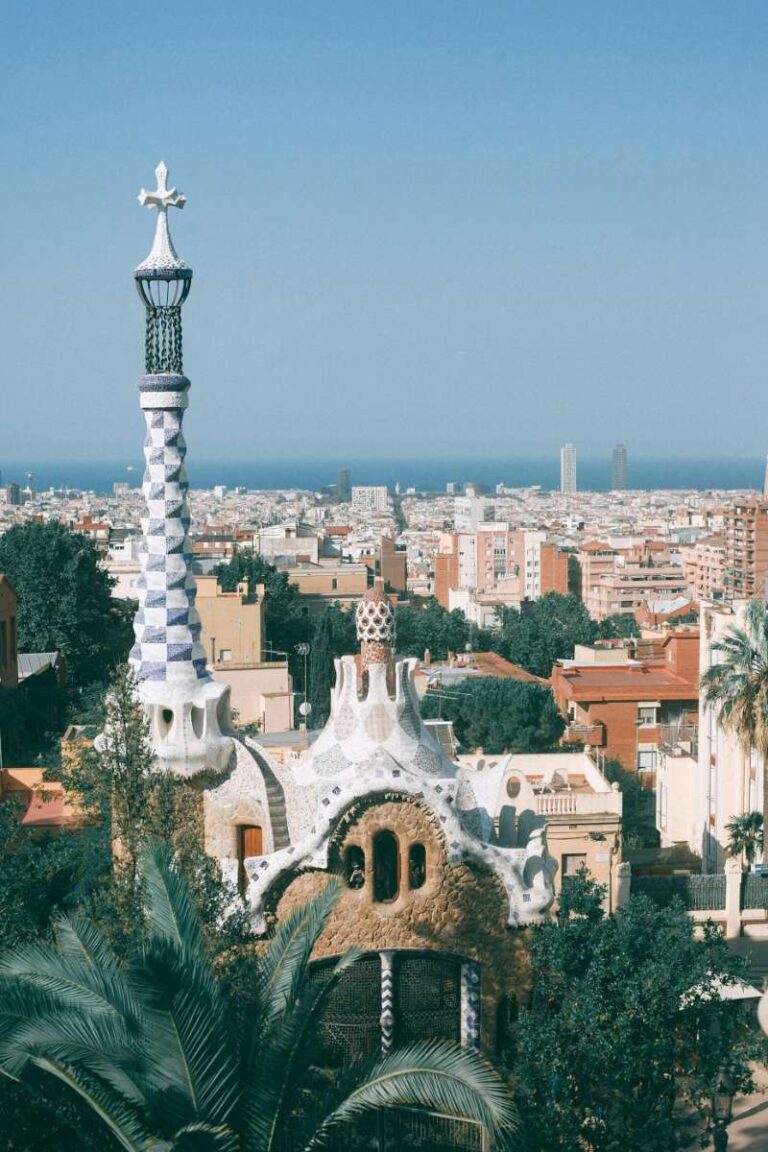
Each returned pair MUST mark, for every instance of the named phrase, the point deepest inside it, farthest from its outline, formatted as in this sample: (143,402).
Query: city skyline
(504,228)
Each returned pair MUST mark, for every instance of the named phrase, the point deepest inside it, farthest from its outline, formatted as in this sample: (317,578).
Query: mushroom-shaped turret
(375,619)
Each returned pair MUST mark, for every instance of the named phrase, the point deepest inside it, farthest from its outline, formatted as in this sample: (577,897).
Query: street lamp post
(722,1110)
(305,707)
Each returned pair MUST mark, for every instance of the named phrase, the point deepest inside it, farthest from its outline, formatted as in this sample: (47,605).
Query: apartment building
(745,529)
(704,568)
(630,707)
(622,578)
(369,499)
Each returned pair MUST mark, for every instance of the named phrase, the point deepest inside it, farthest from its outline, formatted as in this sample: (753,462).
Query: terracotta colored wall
(554,570)
(446,576)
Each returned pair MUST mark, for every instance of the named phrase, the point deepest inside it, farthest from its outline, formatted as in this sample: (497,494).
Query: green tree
(498,715)
(736,687)
(745,835)
(432,627)
(165,1057)
(638,820)
(544,631)
(334,635)
(624,1025)
(321,671)
(619,626)
(65,601)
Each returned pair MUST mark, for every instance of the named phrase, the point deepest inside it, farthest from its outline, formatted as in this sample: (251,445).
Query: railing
(698,893)
(593,734)
(578,803)
(754,891)
(679,738)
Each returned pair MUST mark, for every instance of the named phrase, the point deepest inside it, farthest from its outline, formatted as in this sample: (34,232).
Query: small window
(646,760)
(572,864)
(386,867)
(417,866)
(354,866)
(250,842)
(225,654)
(334,583)
(646,717)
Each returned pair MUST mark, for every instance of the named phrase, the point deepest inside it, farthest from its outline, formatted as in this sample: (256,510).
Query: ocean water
(424,475)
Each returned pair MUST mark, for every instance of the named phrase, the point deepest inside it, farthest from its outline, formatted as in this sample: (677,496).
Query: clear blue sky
(416,225)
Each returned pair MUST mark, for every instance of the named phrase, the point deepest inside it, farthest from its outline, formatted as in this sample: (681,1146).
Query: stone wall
(461,909)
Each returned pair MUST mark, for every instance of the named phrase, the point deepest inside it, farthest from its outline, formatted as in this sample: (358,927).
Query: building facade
(745,529)
(619,469)
(629,708)
(568,469)
(369,499)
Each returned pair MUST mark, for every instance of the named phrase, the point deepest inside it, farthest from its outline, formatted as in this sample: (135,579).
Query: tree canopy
(65,600)
(623,1026)
(544,631)
(431,627)
(498,715)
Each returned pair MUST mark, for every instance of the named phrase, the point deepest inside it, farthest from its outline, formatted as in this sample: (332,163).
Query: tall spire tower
(186,707)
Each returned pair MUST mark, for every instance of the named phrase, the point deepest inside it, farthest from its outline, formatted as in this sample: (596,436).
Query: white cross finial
(163,257)
(163,197)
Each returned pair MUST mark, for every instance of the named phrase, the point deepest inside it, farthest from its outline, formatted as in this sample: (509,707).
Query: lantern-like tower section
(187,709)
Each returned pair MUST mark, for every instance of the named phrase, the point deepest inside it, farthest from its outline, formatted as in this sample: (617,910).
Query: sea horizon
(431,476)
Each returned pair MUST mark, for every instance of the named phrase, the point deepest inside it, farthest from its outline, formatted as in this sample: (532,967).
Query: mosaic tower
(186,708)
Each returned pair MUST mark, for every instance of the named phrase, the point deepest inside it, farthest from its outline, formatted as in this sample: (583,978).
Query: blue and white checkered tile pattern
(167,624)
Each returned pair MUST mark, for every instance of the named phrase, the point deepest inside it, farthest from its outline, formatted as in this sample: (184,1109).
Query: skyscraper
(619,469)
(568,468)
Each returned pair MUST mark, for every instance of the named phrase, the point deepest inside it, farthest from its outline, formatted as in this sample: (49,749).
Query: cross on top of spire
(163,261)
(163,197)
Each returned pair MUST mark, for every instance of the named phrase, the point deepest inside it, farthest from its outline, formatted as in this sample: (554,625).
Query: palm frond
(117,1114)
(205,1138)
(168,903)
(192,1042)
(67,980)
(284,965)
(434,1076)
(97,1044)
(78,938)
(271,1067)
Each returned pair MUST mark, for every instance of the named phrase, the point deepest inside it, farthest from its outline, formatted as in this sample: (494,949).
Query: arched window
(354,866)
(386,867)
(417,866)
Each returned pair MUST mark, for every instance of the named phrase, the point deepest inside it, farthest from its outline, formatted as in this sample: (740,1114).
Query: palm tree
(170,1062)
(745,834)
(737,688)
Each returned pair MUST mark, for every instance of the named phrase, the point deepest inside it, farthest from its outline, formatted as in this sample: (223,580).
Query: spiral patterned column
(387,1001)
(470,1005)
(167,625)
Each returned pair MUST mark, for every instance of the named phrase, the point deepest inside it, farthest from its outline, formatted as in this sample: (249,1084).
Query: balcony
(588,734)
(679,739)
(579,804)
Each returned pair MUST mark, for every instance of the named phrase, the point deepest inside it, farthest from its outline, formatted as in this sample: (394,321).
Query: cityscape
(421,804)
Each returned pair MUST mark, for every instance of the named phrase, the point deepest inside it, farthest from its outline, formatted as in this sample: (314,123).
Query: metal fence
(754,891)
(697,893)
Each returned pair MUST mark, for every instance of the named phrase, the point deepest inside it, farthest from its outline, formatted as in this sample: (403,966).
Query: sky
(418,227)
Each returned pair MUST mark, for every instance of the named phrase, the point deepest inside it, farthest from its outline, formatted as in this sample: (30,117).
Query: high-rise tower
(186,708)
(568,468)
(619,469)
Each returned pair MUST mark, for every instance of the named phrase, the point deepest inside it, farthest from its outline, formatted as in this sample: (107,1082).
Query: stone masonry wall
(461,909)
